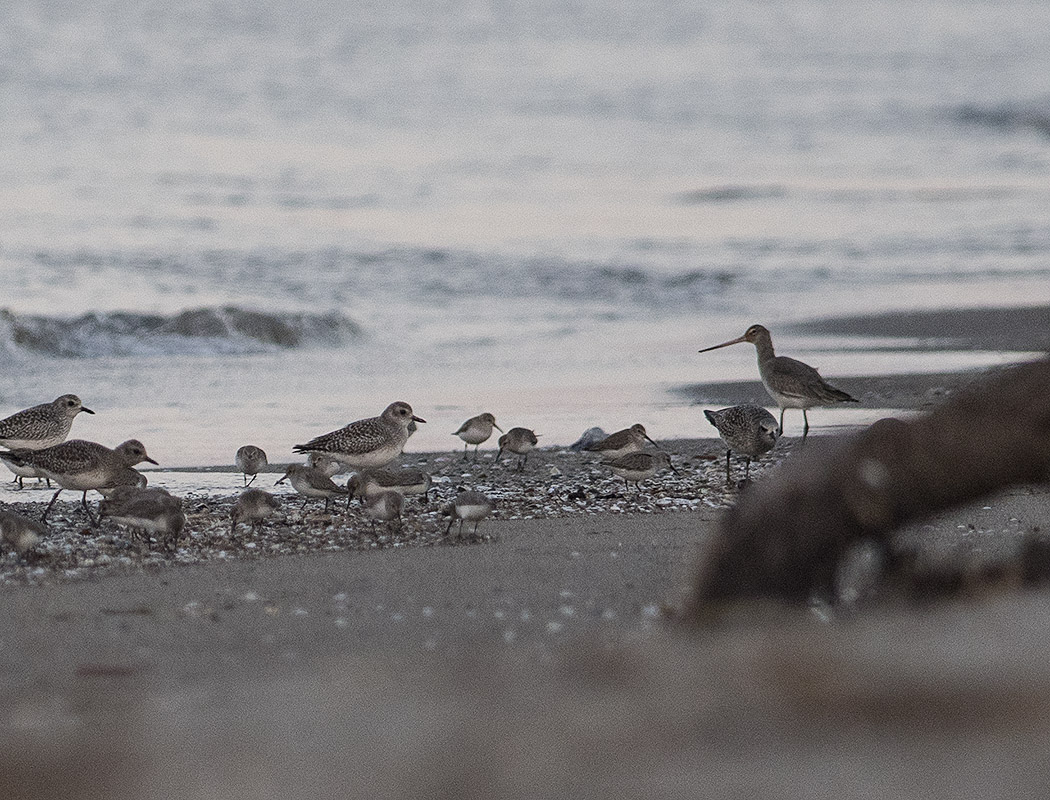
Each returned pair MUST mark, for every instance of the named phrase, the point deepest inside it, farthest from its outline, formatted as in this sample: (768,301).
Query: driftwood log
(785,537)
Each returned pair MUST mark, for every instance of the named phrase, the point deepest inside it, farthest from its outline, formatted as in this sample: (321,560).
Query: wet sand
(537,664)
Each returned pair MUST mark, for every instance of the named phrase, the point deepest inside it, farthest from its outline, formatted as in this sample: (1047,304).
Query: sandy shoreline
(534,664)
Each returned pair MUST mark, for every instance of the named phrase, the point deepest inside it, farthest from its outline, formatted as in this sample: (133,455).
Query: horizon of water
(537,209)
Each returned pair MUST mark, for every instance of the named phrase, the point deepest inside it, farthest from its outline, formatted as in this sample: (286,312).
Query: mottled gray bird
(81,465)
(384,507)
(746,430)
(252,507)
(311,482)
(615,445)
(20,533)
(156,512)
(637,467)
(468,506)
(521,442)
(405,482)
(41,426)
(123,478)
(367,443)
(328,465)
(250,460)
(475,431)
(791,383)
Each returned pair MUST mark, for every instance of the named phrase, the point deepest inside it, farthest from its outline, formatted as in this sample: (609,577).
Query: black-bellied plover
(311,482)
(81,465)
(791,383)
(637,467)
(20,533)
(475,431)
(746,430)
(384,507)
(250,460)
(521,442)
(615,445)
(251,508)
(367,443)
(469,506)
(156,512)
(41,426)
(405,482)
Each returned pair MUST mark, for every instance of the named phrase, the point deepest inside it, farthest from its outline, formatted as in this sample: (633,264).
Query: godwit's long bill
(791,383)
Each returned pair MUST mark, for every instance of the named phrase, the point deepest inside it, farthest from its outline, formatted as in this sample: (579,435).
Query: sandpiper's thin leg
(747,469)
(307,500)
(48,509)
(727,466)
(249,483)
(805,426)
(449,528)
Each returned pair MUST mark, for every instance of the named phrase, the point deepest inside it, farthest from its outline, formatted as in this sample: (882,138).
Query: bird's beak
(497,427)
(150,460)
(651,441)
(417,419)
(280,480)
(86,410)
(738,340)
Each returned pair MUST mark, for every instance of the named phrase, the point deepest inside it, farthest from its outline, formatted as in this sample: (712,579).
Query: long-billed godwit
(791,383)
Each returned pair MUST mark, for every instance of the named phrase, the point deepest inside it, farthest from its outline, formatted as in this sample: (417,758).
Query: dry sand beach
(537,663)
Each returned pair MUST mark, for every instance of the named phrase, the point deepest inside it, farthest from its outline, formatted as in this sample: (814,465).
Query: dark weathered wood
(784,538)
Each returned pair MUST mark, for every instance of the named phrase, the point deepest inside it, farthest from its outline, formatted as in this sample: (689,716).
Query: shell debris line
(564,483)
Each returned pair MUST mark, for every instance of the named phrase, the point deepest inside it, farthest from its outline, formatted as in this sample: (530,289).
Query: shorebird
(23,472)
(747,430)
(475,431)
(519,441)
(367,443)
(367,485)
(81,465)
(311,482)
(41,426)
(637,467)
(19,532)
(384,507)
(125,477)
(250,460)
(615,445)
(328,465)
(791,383)
(468,507)
(252,507)
(155,511)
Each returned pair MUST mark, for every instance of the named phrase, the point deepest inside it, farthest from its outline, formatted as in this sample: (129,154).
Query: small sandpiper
(367,443)
(366,485)
(475,431)
(250,460)
(384,507)
(637,467)
(615,445)
(746,430)
(20,533)
(791,383)
(519,441)
(123,478)
(328,465)
(23,472)
(41,426)
(156,512)
(311,482)
(81,465)
(468,506)
(251,508)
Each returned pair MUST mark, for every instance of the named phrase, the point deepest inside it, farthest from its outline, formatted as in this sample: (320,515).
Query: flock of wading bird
(37,447)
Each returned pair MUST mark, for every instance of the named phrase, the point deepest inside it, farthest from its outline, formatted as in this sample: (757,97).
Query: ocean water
(246,221)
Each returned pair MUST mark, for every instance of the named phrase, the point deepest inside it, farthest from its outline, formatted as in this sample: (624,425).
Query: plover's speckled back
(519,441)
(476,430)
(637,467)
(20,533)
(41,426)
(615,445)
(252,507)
(366,485)
(81,465)
(367,443)
(746,430)
(791,383)
(469,506)
(311,482)
(155,511)
(250,460)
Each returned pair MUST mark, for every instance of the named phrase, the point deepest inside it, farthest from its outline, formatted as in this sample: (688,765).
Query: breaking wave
(203,331)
